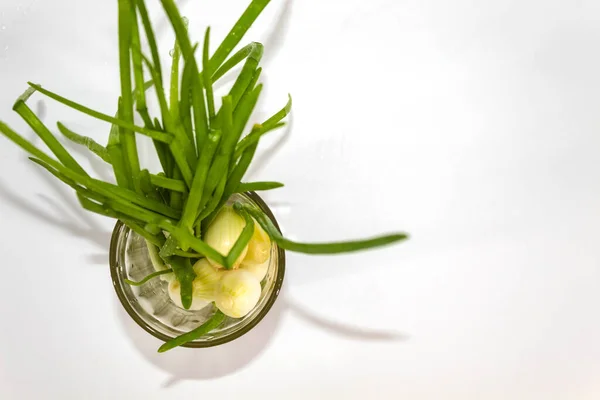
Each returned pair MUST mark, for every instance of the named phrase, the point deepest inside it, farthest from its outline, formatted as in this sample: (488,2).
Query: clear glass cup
(150,305)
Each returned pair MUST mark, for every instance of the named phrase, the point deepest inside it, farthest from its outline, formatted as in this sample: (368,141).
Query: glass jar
(150,305)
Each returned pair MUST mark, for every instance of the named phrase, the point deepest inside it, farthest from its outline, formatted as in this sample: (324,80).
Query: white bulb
(175,295)
(259,247)
(237,293)
(258,270)
(223,232)
(206,280)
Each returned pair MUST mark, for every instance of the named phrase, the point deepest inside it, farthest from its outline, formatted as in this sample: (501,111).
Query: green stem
(183,270)
(235,60)
(47,137)
(196,192)
(132,162)
(174,92)
(160,136)
(212,323)
(88,142)
(253,137)
(317,248)
(150,36)
(175,185)
(115,151)
(206,73)
(257,186)
(242,241)
(149,277)
(185,104)
(238,31)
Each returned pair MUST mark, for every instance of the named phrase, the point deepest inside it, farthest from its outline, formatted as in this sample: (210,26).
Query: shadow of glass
(347,331)
(209,363)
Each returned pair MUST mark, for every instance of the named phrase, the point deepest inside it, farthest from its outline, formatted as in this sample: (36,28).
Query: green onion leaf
(206,73)
(88,142)
(212,323)
(150,36)
(182,268)
(194,199)
(149,277)
(257,186)
(236,59)
(168,183)
(242,241)
(132,162)
(160,136)
(317,248)
(238,31)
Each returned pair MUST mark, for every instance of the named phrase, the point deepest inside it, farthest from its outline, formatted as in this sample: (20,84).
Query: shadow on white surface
(163,23)
(215,362)
(276,37)
(100,168)
(347,331)
(60,220)
(273,42)
(209,363)
(261,160)
(40,109)
(68,214)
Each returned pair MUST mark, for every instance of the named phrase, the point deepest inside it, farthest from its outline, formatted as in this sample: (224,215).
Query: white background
(472,125)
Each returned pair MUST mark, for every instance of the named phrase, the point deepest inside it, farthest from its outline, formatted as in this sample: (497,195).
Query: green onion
(246,76)
(267,126)
(132,162)
(317,248)
(197,189)
(88,142)
(141,6)
(115,151)
(42,131)
(182,268)
(203,153)
(160,136)
(212,323)
(241,242)
(174,93)
(185,103)
(167,183)
(257,186)
(207,76)
(237,32)
(149,277)
(236,59)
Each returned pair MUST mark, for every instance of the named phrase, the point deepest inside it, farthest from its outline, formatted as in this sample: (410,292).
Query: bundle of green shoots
(182,212)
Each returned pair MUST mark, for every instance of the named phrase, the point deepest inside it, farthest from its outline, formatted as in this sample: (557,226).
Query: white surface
(473,125)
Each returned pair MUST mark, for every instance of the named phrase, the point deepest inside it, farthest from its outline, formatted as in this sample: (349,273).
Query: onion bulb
(258,270)
(203,286)
(206,280)
(237,293)
(175,295)
(259,247)
(223,232)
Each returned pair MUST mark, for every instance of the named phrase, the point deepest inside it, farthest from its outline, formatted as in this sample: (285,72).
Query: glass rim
(115,277)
